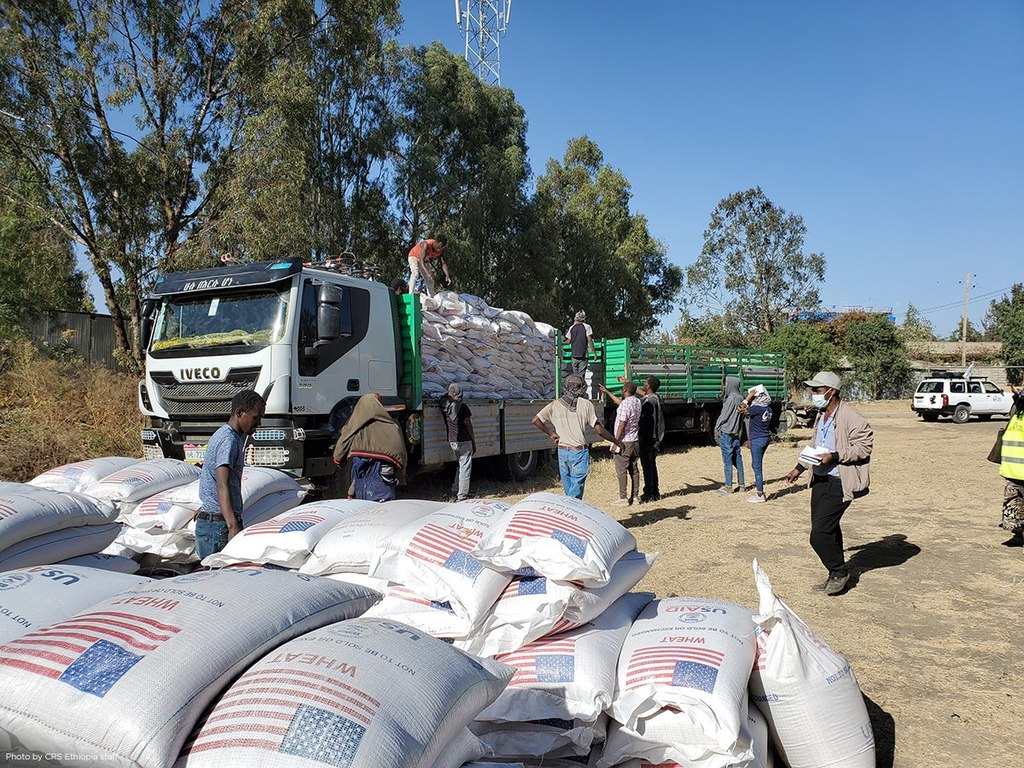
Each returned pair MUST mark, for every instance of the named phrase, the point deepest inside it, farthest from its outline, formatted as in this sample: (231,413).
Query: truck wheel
(518,466)
(961,413)
(930,416)
(790,419)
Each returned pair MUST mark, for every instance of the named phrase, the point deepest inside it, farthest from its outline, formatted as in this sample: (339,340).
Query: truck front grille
(202,398)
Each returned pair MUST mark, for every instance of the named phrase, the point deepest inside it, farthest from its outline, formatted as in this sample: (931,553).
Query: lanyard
(825,424)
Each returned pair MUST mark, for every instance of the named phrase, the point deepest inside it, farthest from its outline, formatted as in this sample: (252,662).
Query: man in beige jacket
(844,440)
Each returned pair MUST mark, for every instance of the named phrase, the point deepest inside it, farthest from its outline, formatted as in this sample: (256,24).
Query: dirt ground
(932,624)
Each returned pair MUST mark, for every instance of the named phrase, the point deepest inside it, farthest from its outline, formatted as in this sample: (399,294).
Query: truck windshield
(251,319)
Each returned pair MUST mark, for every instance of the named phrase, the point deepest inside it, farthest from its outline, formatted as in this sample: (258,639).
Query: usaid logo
(13,580)
(691,618)
(199,374)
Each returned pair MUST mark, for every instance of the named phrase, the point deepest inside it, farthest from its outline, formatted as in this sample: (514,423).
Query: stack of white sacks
(543,587)
(160,521)
(490,352)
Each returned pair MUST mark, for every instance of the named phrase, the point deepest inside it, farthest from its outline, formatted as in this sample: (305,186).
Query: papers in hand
(811,455)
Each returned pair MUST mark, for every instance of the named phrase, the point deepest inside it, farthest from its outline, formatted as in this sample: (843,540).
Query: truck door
(980,402)
(326,372)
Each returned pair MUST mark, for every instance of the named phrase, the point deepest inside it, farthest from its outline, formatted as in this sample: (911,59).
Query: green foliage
(973,334)
(807,347)
(875,351)
(37,265)
(1007,321)
(708,331)
(752,267)
(916,327)
(603,256)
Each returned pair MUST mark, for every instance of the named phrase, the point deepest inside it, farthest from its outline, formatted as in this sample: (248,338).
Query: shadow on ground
(654,514)
(884,728)
(887,552)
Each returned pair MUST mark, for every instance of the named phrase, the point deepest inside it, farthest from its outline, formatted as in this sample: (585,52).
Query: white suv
(960,398)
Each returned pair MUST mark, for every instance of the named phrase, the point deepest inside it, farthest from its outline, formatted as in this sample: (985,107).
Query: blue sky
(896,129)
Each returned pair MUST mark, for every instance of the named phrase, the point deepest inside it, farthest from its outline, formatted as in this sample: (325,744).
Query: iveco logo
(195,374)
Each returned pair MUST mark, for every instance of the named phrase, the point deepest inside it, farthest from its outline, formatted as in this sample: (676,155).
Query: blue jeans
(211,536)
(757,449)
(731,453)
(573,466)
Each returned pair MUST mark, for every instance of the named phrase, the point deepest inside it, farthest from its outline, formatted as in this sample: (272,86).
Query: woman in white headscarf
(758,407)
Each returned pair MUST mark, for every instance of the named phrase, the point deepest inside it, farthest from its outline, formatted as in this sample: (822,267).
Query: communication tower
(484,22)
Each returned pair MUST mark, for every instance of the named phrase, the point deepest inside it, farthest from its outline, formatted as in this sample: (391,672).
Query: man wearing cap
(844,440)
(581,341)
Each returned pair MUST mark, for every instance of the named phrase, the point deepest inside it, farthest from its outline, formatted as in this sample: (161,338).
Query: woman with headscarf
(1011,467)
(758,406)
(729,433)
(570,416)
(374,443)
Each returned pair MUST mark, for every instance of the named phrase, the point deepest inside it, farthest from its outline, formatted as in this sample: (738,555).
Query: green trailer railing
(410,316)
(694,374)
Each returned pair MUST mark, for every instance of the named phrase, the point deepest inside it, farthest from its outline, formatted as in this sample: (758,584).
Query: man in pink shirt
(627,430)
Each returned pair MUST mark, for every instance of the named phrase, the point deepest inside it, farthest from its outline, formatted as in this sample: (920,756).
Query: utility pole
(963,331)
(484,22)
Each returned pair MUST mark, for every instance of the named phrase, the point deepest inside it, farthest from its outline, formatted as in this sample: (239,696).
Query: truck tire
(790,419)
(961,413)
(517,466)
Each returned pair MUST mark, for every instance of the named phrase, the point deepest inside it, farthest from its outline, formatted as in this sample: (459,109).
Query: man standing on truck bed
(220,481)
(571,414)
(581,342)
(419,257)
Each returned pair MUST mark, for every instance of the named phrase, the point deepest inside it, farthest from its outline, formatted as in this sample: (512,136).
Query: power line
(955,304)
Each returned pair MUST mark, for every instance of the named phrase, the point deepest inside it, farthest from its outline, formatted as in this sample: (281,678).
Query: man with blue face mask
(843,439)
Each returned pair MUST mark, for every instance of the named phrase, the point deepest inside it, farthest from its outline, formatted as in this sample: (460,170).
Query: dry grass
(54,412)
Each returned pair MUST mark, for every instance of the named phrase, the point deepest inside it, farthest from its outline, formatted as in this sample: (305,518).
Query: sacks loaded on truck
(312,341)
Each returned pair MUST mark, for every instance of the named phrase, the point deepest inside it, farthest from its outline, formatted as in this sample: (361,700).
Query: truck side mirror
(146,323)
(333,315)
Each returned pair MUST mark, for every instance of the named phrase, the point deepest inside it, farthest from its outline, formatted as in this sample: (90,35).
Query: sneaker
(819,586)
(836,584)
(723,491)
(623,502)
(1017,540)
(757,498)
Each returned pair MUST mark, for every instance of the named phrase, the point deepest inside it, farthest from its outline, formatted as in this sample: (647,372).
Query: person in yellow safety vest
(1012,469)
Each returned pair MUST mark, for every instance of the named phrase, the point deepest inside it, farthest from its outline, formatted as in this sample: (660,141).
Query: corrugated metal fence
(90,335)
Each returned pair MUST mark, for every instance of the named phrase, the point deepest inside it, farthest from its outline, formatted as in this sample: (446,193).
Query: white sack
(669,738)
(559,537)
(59,545)
(31,511)
(257,482)
(272,504)
(568,676)
(807,691)
(587,604)
(429,616)
(135,672)
(528,608)
(285,540)
(172,546)
(348,546)
(38,596)
(139,481)
(366,693)
(542,738)
(159,513)
(432,557)
(694,655)
(104,562)
(81,474)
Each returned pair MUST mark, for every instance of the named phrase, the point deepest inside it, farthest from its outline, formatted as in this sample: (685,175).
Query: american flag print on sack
(408,596)
(289,711)
(530,523)
(91,651)
(130,477)
(300,521)
(683,666)
(543,661)
(446,547)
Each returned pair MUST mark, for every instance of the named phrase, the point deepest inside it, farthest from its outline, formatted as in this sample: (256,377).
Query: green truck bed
(688,374)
